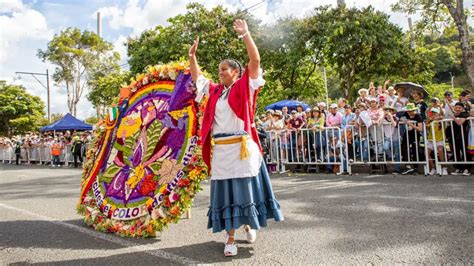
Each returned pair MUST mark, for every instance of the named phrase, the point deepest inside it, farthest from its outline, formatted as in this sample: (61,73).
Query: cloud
(20,25)
(141,17)
(8,6)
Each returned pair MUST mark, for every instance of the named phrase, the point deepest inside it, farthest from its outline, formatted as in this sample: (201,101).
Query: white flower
(172,75)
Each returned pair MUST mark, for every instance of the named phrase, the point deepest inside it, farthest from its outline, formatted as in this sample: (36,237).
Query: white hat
(333,105)
(322,104)
(362,90)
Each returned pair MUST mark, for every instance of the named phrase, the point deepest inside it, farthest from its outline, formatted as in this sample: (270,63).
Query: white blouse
(226,162)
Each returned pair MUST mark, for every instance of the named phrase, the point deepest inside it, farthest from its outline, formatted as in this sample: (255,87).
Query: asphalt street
(330,219)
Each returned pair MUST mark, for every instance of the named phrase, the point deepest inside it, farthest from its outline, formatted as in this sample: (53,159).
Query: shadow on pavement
(369,215)
(211,252)
(48,187)
(44,234)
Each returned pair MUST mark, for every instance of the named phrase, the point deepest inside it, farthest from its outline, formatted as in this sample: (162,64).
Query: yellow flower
(194,174)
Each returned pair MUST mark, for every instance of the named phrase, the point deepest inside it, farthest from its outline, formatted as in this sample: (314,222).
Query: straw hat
(410,107)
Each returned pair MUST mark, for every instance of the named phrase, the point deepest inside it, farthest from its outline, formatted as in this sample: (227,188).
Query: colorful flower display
(144,165)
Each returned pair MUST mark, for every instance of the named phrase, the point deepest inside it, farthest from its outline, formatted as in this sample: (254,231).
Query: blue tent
(68,122)
(291,104)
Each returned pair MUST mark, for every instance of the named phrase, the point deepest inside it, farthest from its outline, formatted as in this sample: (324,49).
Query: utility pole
(326,86)
(412,37)
(99,32)
(99,25)
(47,87)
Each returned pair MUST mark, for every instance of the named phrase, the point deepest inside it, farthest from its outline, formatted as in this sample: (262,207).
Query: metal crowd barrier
(313,147)
(455,143)
(379,145)
(37,155)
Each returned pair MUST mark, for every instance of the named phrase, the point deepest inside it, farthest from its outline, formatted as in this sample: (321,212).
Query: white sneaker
(456,172)
(432,172)
(466,172)
(444,171)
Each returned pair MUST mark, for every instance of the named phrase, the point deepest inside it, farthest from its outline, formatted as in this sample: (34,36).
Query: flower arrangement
(146,178)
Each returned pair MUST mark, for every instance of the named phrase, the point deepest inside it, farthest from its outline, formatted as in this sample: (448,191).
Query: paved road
(329,219)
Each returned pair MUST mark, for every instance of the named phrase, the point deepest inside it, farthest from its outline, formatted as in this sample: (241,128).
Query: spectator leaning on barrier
(391,97)
(76,149)
(285,113)
(436,103)
(375,131)
(278,121)
(435,142)
(56,148)
(362,97)
(464,97)
(410,140)
(420,104)
(461,130)
(18,146)
(391,142)
(295,124)
(341,103)
(334,118)
(323,108)
(448,104)
(348,120)
(268,123)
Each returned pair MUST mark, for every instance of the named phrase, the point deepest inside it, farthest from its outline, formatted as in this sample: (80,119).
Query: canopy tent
(68,122)
(291,104)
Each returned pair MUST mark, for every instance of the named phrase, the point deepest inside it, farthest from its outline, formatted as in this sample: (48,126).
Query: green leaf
(153,135)
(155,167)
(110,173)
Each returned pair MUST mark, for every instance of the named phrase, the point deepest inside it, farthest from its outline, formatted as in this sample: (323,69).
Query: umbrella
(408,87)
(291,104)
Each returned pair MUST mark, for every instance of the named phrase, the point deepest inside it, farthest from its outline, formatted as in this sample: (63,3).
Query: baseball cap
(333,105)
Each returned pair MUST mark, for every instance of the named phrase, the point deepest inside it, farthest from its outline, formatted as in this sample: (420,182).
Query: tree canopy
(20,111)
(78,56)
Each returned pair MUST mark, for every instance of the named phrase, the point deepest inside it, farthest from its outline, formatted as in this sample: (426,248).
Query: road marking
(149,249)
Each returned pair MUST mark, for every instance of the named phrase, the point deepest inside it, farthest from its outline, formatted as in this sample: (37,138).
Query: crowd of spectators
(52,145)
(380,123)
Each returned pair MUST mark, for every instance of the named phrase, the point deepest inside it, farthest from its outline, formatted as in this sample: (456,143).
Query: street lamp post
(33,74)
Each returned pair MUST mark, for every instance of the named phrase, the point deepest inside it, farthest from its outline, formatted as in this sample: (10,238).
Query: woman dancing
(241,192)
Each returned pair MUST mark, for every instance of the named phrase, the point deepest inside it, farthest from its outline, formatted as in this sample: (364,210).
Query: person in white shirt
(241,191)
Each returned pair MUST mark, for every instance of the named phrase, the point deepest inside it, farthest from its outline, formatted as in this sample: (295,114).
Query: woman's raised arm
(240,26)
(193,64)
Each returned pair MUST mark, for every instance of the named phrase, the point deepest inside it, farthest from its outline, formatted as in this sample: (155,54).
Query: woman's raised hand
(240,26)
(194,47)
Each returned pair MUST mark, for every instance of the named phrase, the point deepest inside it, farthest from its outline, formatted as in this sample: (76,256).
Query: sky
(28,25)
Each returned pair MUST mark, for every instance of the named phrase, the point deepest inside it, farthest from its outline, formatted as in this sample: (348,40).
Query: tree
(20,111)
(293,51)
(77,55)
(56,117)
(171,43)
(91,120)
(434,11)
(104,89)
(359,43)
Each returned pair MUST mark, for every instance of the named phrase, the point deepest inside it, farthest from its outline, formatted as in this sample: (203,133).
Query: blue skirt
(239,201)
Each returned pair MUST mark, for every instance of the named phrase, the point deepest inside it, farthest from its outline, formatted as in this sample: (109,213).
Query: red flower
(183,182)
(167,202)
(148,185)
